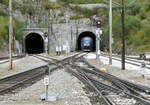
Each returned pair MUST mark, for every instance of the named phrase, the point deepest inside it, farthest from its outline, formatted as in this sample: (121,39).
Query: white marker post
(46,96)
(46,81)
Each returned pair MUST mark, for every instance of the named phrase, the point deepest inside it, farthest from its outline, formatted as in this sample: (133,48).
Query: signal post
(98,34)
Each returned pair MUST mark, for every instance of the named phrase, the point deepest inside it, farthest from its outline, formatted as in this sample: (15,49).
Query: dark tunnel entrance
(34,43)
(83,35)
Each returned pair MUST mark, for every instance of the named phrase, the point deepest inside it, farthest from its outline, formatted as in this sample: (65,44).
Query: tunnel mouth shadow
(34,44)
(86,34)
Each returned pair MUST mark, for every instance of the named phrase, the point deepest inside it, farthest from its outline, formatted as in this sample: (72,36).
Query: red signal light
(98,23)
(45,34)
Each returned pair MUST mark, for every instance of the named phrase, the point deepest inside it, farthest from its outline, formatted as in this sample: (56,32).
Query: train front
(87,44)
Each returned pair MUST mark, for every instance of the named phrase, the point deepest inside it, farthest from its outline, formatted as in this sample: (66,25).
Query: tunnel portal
(86,34)
(34,44)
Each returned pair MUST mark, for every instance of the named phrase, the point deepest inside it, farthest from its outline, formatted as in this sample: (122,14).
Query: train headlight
(84,44)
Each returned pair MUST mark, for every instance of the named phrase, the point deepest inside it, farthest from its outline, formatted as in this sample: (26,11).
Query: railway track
(109,89)
(108,86)
(62,62)
(130,61)
(19,56)
(9,84)
(6,59)
(12,83)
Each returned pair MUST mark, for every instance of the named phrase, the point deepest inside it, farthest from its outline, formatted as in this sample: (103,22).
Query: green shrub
(61,21)
(61,14)
(81,1)
(2,13)
(42,26)
(5,2)
(85,11)
(76,17)
(4,29)
(18,26)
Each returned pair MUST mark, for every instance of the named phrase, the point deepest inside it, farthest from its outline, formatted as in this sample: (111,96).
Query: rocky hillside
(39,13)
(137,20)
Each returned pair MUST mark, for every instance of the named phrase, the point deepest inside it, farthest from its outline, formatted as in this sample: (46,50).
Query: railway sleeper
(89,85)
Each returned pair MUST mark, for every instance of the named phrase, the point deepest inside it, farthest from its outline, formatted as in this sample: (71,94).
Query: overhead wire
(119,5)
(131,3)
(115,3)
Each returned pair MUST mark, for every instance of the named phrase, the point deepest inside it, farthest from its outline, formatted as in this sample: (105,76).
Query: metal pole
(50,24)
(123,38)
(48,46)
(49,21)
(98,42)
(67,33)
(66,36)
(46,93)
(110,33)
(71,40)
(97,46)
(61,44)
(10,34)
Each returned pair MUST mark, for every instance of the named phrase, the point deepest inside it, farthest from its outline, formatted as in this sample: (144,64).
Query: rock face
(16,12)
(61,33)
(3,53)
(68,90)
(65,33)
(19,16)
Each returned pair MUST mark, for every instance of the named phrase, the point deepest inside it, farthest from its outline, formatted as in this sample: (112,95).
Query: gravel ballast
(130,75)
(20,65)
(68,90)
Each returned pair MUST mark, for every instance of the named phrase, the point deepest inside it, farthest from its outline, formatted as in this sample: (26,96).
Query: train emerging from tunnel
(87,44)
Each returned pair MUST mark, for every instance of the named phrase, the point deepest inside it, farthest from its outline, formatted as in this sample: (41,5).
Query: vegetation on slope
(4,29)
(137,19)
(81,1)
(28,9)
(137,28)
(5,2)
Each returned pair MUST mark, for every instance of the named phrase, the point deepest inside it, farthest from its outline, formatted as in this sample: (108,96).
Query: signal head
(45,34)
(98,23)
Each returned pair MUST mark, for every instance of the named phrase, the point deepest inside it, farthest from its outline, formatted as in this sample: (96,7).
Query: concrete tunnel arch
(34,43)
(86,34)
